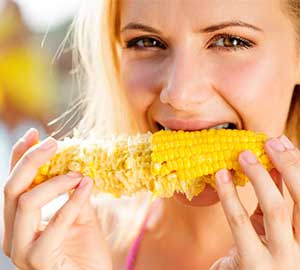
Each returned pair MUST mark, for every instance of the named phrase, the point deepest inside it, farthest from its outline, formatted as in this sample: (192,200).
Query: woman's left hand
(270,238)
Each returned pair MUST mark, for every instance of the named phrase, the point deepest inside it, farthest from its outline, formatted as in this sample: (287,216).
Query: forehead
(200,12)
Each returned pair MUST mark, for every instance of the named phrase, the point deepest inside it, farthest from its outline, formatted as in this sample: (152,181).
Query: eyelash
(242,43)
(133,43)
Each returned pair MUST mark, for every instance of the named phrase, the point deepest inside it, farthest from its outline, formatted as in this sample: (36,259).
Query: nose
(188,82)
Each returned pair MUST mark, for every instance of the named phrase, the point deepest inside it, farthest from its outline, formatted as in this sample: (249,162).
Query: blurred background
(36,84)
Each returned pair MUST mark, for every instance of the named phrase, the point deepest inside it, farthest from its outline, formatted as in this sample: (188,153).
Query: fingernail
(29,134)
(222,176)
(286,142)
(84,182)
(276,145)
(249,157)
(74,174)
(47,144)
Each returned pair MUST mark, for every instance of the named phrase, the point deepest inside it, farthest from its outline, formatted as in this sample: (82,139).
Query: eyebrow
(139,26)
(209,29)
(223,25)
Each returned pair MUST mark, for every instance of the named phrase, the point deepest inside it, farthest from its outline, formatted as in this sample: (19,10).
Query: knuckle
(285,254)
(9,191)
(35,260)
(24,202)
(278,211)
(28,158)
(229,195)
(238,219)
(291,159)
(18,261)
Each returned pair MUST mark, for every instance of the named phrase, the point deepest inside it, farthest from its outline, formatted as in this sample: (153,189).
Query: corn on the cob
(163,162)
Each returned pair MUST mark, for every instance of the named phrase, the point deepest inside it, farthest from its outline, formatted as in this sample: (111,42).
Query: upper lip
(190,124)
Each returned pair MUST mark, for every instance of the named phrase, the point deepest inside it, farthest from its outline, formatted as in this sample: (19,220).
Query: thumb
(60,224)
(229,262)
(87,214)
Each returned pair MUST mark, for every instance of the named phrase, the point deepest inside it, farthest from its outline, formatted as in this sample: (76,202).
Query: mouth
(208,195)
(171,126)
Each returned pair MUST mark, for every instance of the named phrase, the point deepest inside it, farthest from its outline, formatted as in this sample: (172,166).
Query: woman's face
(194,64)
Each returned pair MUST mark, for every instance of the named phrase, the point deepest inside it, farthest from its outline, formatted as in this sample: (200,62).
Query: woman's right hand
(72,239)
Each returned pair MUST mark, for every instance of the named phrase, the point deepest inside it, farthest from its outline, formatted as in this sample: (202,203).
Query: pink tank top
(133,251)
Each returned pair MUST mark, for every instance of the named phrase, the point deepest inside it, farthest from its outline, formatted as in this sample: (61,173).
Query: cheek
(254,88)
(141,82)
(249,82)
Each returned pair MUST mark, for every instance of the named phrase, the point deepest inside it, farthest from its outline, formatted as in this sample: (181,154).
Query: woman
(187,65)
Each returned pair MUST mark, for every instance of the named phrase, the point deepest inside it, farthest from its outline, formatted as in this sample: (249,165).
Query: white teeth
(220,126)
(226,125)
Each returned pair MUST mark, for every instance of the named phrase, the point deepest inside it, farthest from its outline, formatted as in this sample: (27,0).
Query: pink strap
(131,258)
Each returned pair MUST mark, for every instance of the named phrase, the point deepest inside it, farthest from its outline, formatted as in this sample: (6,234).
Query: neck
(198,224)
(201,225)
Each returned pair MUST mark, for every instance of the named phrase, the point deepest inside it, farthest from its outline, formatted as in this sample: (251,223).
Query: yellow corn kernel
(211,155)
(125,165)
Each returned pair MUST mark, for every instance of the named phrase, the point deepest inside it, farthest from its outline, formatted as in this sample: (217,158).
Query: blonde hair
(106,109)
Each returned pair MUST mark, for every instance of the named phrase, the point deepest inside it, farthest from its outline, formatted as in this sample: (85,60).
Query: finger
(245,237)
(26,168)
(296,222)
(257,216)
(60,224)
(286,158)
(19,180)
(277,221)
(28,215)
(87,214)
(30,138)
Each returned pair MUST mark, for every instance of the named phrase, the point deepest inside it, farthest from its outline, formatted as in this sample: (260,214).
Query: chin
(207,197)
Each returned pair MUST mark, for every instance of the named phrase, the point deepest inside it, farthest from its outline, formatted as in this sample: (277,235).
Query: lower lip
(207,197)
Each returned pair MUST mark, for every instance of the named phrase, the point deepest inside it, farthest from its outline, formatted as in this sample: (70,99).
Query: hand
(72,239)
(270,239)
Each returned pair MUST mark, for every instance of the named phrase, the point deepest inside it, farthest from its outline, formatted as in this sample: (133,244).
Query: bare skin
(72,239)
(247,79)
(186,68)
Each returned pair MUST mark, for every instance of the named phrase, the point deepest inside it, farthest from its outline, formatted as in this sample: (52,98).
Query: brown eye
(146,42)
(230,42)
